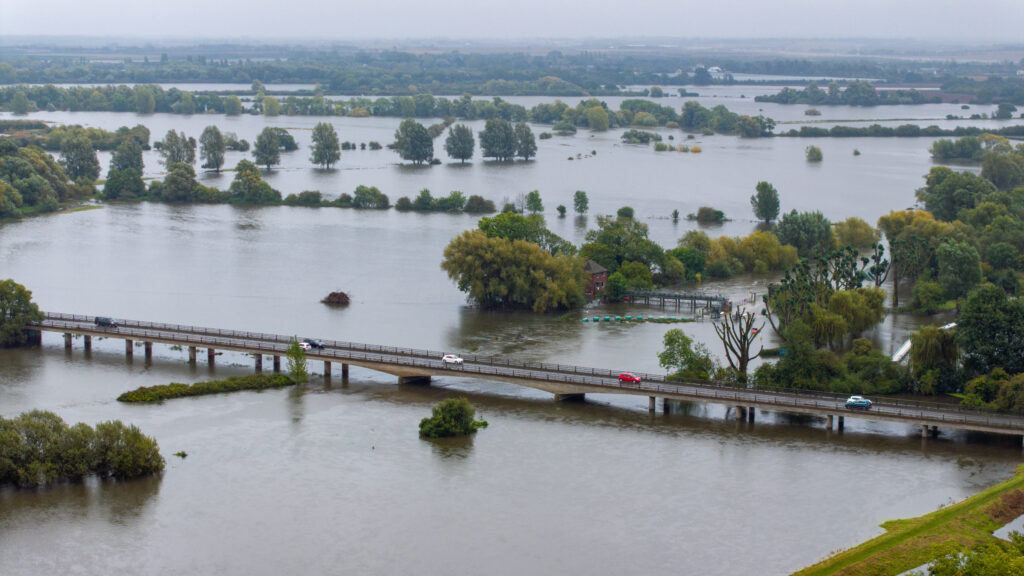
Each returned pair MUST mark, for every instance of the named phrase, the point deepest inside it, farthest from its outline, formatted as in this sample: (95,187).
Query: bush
(38,448)
(150,394)
(928,297)
(708,215)
(814,154)
(476,205)
(451,417)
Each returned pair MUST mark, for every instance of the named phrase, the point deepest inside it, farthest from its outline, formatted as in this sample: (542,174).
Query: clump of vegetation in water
(337,299)
(814,154)
(707,215)
(451,417)
(38,448)
(151,394)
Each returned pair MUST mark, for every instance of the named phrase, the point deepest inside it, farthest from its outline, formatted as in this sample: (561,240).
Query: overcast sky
(995,20)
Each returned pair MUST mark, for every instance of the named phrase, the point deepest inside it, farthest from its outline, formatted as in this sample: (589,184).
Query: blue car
(858,403)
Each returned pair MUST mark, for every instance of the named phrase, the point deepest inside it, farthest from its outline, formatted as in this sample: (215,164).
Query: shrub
(814,154)
(150,394)
(476,204)
(38,448)
(695,150)
(451,417)
(625,212)
(707,214)
(660,147)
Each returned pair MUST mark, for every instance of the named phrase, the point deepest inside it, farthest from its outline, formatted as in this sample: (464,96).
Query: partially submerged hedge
(150,394)
(38,447)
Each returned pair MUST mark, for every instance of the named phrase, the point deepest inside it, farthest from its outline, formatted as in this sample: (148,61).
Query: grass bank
(911,542)
(151,394)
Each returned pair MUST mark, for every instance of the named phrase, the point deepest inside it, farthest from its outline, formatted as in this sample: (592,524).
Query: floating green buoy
(586,319)
(629,317)
(607,318)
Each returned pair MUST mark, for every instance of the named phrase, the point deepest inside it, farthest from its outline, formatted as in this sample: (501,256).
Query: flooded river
(332,478)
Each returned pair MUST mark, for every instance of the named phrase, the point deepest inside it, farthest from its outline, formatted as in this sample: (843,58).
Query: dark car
(105,322)
(313,343)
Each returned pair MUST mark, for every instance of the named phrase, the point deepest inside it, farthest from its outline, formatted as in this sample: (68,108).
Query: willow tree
(326,149)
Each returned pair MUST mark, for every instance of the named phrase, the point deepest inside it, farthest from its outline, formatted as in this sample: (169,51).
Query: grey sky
(973,20)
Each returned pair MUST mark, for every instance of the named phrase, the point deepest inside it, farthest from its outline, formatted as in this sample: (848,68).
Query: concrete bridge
(564,381)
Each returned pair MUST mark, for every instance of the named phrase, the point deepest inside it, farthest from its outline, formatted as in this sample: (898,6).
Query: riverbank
(912,542)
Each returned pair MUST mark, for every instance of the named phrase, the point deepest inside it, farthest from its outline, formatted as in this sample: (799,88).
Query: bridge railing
(552,372)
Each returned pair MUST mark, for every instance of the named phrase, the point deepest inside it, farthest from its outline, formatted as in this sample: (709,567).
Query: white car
(305,345)
(451,359)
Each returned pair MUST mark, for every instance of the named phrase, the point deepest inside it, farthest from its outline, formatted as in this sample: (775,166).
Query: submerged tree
(17,311)
(451,417)
(460,143)
(765,202)
(211,148)
(297,362)
(326,149)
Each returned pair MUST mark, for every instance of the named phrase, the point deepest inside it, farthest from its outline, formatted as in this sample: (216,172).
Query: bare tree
(737,333)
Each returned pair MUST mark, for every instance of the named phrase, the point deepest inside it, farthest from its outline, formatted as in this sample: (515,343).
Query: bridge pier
(149,350)
(924,430)
(651,404)
(67,341)
(741,412)
(414,379)
(750,414)
(88,343)
(828,423)
(210,355)
(570,397)
(277,364)
(327,368)
(128,351)
(344,371)
(842,420)
(259,362)
(191,354)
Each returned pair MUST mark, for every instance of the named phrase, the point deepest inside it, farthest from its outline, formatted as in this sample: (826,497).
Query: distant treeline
(858,93)
(354,71)
(901,131)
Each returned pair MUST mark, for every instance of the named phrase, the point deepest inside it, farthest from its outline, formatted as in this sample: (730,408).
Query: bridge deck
(554,378)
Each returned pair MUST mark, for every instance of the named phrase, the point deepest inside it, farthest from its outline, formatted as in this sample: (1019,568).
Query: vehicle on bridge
(451,359)
(313,343)
(305,345)
(629,377)
(105,322)
(858,403)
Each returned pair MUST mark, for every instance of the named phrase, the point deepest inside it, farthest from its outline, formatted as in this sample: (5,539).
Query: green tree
(498,140)
(326,149)
(959,268)
(232,105)
(79,160)
(369,197)
(127,155)
(497,273)
(271,106)
(990,331)
(176,147)
(526,145)
(580,203)
(947,193)
(625,212)
(561,210)
(297,362)
(20,104)
(460,143)
(450,417)
(618,240)
(533,202)
(124,184)
(413,142)
(597,118)
(249,187)
(809,232)
(855,232)
(211,148)
(814,154)
(267,150)
(683,359)
(145,102)
(765,202)
(179,184)
(17,311)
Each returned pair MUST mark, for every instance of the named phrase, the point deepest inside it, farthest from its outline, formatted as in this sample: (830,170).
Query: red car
(629,377)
